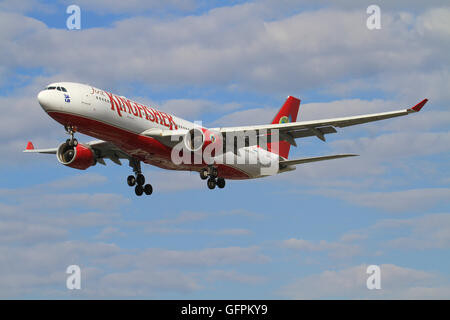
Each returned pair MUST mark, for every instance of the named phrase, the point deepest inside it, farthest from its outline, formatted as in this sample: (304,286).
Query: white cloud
(335,249)
(204,257)
(135,6)
(435,22)
(14,232)
(231,232)
(246,117)
(233,275)
(103,201)
(193,108)
(397,144)
(76,181)
(109,232)
(25,6)
(40,269)
(350,283)
(424,232)
(145,282)
(186,222)
(240,46)
(395,201)
(36,251)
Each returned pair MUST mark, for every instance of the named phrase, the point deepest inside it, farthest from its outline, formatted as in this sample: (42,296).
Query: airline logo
(285,119)
(124,105)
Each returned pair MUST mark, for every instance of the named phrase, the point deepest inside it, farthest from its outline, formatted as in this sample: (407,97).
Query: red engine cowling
(80,157)
(201,138)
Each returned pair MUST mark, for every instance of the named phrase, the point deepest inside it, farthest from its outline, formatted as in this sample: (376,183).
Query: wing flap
(302,133)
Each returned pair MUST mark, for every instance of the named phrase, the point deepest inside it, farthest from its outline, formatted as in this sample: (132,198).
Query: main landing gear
(72,142)
(138,180)
(213,181)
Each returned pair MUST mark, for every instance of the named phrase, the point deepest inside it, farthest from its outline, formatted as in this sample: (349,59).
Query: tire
(148,189)
(140,179)
(139,190)
(213,172)
(131,180)
(204,174)
(72,143)
(211,183)
(221,183)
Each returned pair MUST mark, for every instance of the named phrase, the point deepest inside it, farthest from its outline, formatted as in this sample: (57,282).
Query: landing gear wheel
(131,180)
(213,172)
(139,190)
(221,183)
(148,189)
(204,174)
(72,143)
(211,183)
(140,179)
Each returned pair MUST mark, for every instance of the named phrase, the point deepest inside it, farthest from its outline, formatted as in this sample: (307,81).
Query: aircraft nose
(44,99)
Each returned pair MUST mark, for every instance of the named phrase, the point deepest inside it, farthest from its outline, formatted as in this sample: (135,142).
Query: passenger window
(51,88)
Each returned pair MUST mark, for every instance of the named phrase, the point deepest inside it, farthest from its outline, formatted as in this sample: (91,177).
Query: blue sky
(310,233)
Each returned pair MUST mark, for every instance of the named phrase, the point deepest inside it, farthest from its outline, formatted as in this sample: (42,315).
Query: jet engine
(78,157)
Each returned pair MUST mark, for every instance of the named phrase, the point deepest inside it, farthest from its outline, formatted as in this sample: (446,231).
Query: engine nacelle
(80,157)
(203,139)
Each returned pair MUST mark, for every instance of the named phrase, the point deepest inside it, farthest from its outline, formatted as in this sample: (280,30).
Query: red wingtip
(30,146)
(419,106)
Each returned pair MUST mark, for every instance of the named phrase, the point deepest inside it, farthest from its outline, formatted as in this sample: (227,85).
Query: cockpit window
(56,88)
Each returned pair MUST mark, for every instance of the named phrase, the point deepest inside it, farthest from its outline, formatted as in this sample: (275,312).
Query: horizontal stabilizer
(314,159)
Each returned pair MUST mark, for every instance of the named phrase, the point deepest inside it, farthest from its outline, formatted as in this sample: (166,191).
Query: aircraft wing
(102,150)
(285,163)
(318,128)
(167,137)
(30,149)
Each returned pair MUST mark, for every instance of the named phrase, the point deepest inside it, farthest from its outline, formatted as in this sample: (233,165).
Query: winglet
(30,146)
(419,106)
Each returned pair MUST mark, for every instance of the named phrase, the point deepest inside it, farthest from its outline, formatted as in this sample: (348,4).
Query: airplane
(138,133)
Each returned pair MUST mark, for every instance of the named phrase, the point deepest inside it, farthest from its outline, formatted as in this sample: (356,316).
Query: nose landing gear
(138,180)
(72,142)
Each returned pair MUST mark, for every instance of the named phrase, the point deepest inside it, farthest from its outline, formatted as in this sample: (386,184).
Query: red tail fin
(287,113)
